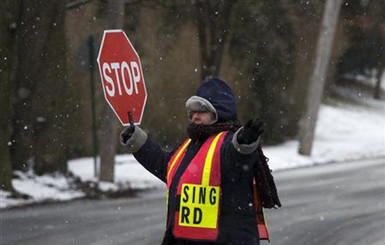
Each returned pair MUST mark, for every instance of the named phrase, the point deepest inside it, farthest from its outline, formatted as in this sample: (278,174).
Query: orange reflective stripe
(209,160)
(178,153)
(261,220)
(263,232)
(177,157)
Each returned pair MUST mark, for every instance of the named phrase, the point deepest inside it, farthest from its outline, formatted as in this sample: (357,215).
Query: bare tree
(50,79)
(212,19)
(8,12)
(377,88)
(377,12)
(317,80)
(37,74)
(109,124)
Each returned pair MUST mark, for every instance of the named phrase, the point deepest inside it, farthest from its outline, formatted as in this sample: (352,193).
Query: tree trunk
(212,22)
(107,144)
(20,90)
(317,81)
(377,88)
(50,101)
(8,15)
(38,77)
(6,166)
(109,123)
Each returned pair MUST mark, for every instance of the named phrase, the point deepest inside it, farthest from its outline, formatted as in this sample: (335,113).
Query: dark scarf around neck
(200,132)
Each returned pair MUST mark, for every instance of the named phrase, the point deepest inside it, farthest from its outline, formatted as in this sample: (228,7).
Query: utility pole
(317,81)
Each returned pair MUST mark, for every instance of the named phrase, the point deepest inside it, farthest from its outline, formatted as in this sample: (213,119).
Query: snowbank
(54,187)
(128,172)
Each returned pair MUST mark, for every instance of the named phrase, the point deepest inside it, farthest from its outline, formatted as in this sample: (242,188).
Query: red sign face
(122,76)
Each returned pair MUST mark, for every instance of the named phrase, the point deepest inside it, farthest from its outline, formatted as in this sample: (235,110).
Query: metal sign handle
(130,118)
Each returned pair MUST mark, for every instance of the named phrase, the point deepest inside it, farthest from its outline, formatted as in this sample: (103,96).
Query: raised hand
(129,131)
(250,132)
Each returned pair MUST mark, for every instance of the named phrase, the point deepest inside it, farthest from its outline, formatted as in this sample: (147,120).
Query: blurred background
(52,107)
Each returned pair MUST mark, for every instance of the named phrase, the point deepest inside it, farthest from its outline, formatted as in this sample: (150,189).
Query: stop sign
(122,76)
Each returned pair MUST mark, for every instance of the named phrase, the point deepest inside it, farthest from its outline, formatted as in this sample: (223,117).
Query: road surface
(335,204)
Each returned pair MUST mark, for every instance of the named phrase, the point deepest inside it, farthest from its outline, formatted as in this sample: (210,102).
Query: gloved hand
(250,132)
(127,133)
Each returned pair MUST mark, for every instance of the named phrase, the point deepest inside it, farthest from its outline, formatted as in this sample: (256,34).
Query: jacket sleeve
(238,158)
(149,154)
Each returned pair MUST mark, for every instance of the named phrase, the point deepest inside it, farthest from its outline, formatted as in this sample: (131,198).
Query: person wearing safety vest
(218,179)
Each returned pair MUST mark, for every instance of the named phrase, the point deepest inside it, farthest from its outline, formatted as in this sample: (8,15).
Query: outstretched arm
(149,154)
(240,149)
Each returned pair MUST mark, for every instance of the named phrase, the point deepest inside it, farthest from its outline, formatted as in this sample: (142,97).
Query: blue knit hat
(216,96)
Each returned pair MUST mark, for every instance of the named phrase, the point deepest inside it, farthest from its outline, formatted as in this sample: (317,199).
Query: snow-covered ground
(344,132)
(44,188)
(128,173)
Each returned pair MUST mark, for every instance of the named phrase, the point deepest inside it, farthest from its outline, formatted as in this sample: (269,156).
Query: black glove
(127,133)
(250,132)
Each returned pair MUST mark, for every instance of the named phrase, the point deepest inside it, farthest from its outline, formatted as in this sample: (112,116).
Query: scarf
(200,132)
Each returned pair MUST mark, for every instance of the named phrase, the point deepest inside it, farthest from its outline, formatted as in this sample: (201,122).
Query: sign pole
(92,81)
(130,118)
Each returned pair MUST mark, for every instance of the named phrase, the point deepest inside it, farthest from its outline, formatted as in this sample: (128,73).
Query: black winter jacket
(237,222)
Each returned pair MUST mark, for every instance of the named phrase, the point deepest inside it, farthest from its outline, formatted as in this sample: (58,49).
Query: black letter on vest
(202,195)
(212,197)
(185,214)
(185,191)
(193,197)
(197,215)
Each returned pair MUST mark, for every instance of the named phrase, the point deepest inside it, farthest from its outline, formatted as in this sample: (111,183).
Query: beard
(200,132)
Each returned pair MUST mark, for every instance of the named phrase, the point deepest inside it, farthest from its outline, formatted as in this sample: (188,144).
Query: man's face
(199,117)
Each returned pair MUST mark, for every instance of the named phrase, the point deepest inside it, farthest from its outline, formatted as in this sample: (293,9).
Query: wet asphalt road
(334,204)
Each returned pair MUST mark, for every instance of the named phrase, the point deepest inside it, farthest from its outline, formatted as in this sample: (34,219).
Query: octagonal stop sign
(122,76)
